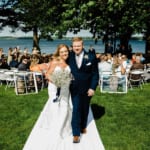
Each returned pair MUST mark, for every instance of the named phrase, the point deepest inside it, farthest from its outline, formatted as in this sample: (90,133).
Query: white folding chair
(10,79)
(25,83)
(113,84)
(135,78)
(39,80)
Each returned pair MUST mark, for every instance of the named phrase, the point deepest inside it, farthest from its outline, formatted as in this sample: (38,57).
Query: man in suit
(85,80)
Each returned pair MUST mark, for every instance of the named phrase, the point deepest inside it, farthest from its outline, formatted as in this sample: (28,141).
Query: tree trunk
(124,40)
(147,46)
(36,39)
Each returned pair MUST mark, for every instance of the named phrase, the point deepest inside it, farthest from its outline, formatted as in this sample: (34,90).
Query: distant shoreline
(49,46)
(67,38)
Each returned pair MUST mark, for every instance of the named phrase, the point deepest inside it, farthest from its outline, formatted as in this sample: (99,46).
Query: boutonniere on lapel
(86,57)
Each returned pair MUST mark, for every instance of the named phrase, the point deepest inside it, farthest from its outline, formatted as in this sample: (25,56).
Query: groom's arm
(95,74)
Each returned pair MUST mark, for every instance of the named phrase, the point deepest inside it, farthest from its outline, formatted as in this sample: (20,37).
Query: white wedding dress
(54,122)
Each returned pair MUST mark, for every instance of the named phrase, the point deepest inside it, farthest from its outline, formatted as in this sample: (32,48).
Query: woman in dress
(54,122)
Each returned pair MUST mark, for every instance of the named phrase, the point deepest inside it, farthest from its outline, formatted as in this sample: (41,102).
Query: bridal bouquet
(60,78)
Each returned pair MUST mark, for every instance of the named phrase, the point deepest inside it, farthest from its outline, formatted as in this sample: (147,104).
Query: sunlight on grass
(122,119)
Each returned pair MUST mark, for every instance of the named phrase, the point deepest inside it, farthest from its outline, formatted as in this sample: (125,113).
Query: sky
(7,32)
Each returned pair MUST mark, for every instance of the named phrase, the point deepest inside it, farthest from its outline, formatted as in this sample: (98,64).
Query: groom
(85,80)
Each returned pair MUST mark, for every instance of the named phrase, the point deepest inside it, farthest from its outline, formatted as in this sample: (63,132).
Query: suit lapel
(85,58)
(73,60)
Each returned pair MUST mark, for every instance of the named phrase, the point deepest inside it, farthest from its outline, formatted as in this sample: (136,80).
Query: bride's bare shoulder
(54,61)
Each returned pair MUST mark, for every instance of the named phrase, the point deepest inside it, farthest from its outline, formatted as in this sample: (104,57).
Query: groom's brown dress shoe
(76,139)
(84,131)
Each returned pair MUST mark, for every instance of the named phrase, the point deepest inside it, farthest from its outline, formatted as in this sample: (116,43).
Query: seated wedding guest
(137,64)
(45,58)
(1,53)
(14,63)
(124,60)
(142,57)
(34,60)
(103,65)
(3,63)
(9,58)
(118,70)
(110,58)
(25,53)
(118,66)
(35,51)
(23,66)
(15,52)
(133,58)
(119,55)
(37,66)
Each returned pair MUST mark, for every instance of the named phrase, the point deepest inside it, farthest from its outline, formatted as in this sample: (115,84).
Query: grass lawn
(123,120)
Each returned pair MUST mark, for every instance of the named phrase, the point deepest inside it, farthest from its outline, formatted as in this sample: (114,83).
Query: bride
(54,122)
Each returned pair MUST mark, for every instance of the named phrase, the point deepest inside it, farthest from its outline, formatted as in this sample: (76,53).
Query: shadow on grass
(98,111)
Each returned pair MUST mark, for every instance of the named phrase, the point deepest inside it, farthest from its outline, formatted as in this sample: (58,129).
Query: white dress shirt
(79,59)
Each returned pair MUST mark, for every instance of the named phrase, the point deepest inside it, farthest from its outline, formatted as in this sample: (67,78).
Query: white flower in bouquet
(60,77)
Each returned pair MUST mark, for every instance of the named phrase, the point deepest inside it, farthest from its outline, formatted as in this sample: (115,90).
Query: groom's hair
(74,39)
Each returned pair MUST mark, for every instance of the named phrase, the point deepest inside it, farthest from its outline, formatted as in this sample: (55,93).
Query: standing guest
(9,59)
(1,53)
(70,48)
(84,69)
(109,48)
(91,49)
(129,52)
(35,50)
(117,49)
(26,52)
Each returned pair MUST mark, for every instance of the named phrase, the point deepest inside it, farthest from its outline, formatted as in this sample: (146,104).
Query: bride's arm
(50,69)
(40,67)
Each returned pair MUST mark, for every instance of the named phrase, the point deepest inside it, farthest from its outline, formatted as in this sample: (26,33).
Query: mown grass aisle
(122,119)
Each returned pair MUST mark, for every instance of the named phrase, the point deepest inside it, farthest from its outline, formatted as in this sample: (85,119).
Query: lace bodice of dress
(64,69)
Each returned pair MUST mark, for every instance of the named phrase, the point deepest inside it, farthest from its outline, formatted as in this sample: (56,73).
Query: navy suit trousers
(80,112)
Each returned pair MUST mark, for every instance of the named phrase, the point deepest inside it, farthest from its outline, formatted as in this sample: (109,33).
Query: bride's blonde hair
(56,54)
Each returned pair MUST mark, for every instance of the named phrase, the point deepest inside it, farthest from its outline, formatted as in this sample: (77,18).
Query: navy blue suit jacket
(86,76)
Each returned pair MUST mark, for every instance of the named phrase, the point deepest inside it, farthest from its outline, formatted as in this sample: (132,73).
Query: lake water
(50,46)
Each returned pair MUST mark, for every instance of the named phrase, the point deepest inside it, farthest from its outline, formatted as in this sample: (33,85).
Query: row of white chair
(24,82)
(114,83)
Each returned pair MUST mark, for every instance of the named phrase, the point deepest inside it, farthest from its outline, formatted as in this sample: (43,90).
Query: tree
(104,18)
(145,20)
(40,16)
(8,17)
